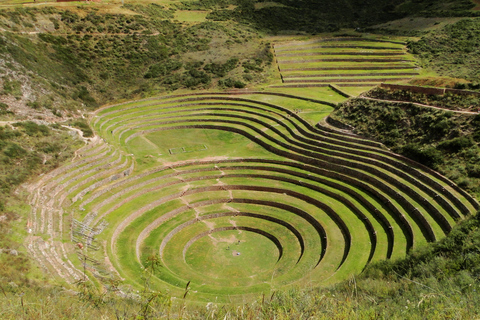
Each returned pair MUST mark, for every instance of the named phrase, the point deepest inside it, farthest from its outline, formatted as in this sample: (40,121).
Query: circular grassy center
(232,254)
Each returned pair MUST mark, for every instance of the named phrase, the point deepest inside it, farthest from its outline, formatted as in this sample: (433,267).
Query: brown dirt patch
(477,2)
(235,253)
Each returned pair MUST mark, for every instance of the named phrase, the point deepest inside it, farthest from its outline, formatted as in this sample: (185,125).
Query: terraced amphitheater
(235,195)
(347,62)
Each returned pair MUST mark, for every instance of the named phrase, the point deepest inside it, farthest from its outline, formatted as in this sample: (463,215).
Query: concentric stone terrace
(238,195)
(344,61)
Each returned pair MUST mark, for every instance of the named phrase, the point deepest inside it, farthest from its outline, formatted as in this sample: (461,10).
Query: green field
(343,61)
(190,16)
(242,193)
(238,195)
(184,159)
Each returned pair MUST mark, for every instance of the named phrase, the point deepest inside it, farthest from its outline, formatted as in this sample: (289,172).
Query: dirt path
(150,143)
(73,33)
(9,122)
(420,105)
(80,134)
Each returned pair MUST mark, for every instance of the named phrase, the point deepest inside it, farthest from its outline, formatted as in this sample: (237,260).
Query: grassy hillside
(28,149)
(323,16)
(68,61)
(452,51)
(59,63)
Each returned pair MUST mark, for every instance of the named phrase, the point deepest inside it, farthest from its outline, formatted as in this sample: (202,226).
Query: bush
(231,83)
(221,70)
(427,155)
(49,146)
(12,87)
(456,144)
(33,129)
(13,150)
(249,66)
(84,95)
(195,77)
(4,109)
(83,125)
(473,170)
(163,68)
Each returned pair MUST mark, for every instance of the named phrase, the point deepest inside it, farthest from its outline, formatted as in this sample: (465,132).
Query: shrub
(162,68)
(12,87)
(4,109)
(195,77)
(473,170)
(221,70)
(248,77)
(249,66)
(69,17)
(427,155)
(231,83)
(49,146)
(13,150)
(33,129)
(456,144)
(50,38)
(7,133)
(83,125)
(84,95)
(33,104)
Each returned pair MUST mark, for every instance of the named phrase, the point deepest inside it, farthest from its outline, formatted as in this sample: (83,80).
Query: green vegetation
(89,58)
(452,51)
(436,281)
(196,204)
(4,109)
(11,87)
(463,102)
(186,178)
(82,124)
(364,62)
(441,139)
(313,17)
(28,149)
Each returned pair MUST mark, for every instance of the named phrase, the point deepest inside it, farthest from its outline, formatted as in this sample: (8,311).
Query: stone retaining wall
(332,75)
(416,215)
(355,163)
(343,60)
(339,80)
(349,68)
(428,90)
(302,54)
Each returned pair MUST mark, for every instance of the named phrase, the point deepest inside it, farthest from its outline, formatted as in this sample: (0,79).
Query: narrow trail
(419,104)
(73,33)
(10,122)
(153,145)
